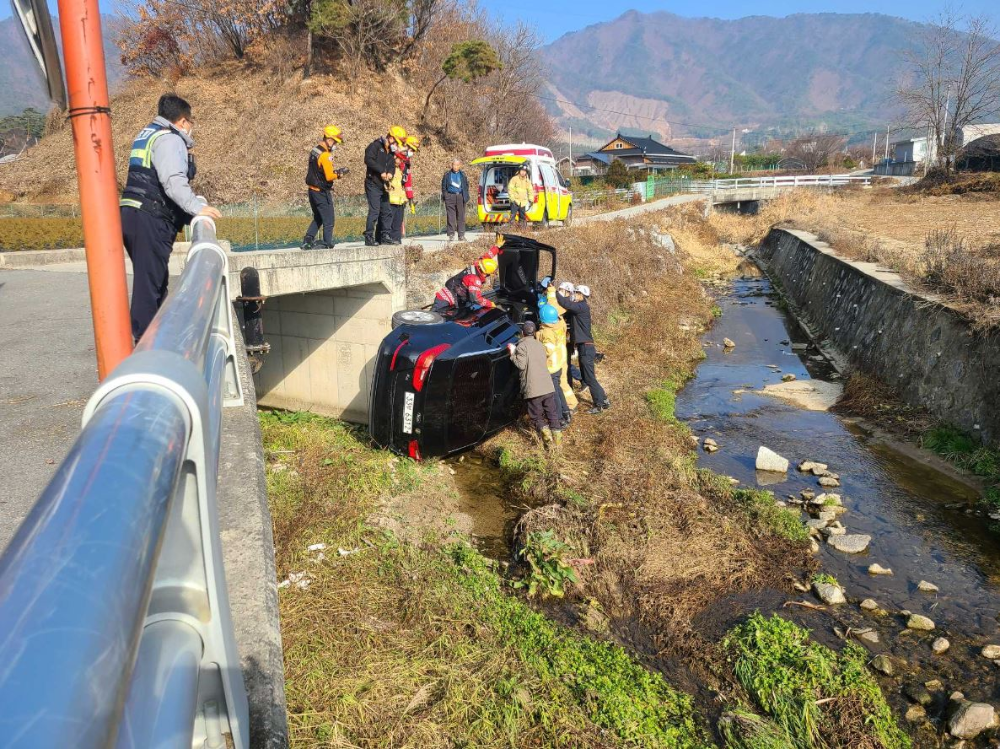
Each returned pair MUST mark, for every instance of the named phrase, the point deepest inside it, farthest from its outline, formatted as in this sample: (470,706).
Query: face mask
(394,148)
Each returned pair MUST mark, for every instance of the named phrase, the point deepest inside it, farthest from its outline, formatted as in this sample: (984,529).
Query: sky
(553,18)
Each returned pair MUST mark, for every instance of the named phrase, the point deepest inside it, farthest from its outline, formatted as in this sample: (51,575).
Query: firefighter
(552,335)
(320,175)
(157,203)
(521,193)
(583,337)
(466,288)
(380,164)
(397,199)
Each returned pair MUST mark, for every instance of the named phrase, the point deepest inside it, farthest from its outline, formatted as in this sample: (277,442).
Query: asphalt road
(47,373)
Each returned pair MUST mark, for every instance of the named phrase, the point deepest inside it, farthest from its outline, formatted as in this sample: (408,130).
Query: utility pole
(874,146)
(571,151)
(732,153)
(887,142)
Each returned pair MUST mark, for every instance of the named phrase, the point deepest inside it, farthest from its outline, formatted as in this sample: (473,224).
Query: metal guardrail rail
(115,627)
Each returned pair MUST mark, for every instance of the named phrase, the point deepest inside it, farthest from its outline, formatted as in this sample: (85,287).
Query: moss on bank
(394,644)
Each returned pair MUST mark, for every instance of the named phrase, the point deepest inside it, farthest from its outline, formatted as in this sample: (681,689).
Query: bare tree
(954,81)
(816,150)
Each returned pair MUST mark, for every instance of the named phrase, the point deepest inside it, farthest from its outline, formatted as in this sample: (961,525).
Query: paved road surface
(47,373)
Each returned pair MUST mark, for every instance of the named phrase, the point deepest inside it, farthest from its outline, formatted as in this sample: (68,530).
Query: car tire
(415,317)
(568,221)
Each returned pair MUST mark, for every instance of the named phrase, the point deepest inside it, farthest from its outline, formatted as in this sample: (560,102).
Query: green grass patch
(969,454)
(815,696)
(760,506)
(823,577)
(398,644)
(744,729)
(663,401)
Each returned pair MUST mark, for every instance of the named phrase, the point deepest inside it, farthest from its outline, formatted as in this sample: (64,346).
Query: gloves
(546,282)
(342,171)
(413,209)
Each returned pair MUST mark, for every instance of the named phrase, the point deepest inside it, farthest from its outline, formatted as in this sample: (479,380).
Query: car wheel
(568,221)
(415,317)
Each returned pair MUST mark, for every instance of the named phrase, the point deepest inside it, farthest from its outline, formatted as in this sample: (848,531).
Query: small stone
(878,569)
(927,587)
(788,377)
(813,546)
(728,343)
(780,503)
(711,442)
(829,517)
(800,346)
(816,523)
(854,543)
(711,448)
(940,646)
(768,460)
(992,652)
(971,719)
(829,594)
(806,466)
(834,529)
(807,495)
(829,499)
(956,696)
(869,636)
(869,604)
(883,664)
(819,469)
(829,482)
(801,587)
(919,694)
(692,438)
(916,713)
(922,623)
(934,685)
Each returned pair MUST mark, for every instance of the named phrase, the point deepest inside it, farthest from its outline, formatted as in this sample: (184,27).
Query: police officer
(157,203)
(320,175)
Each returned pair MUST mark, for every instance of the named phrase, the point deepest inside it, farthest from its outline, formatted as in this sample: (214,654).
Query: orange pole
(90,114)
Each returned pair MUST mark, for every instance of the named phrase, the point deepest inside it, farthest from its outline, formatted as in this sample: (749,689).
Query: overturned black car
(442,383)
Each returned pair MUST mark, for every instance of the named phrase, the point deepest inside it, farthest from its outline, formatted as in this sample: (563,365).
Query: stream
(916,515)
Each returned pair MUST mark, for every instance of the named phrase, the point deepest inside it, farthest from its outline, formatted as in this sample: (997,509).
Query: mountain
(21,85)
(802,71)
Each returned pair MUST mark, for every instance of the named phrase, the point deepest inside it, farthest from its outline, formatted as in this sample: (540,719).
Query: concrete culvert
(415,317)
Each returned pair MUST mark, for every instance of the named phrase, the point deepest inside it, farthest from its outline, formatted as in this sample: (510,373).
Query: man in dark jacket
(455,195)
(581,334)
(536,385)
(158,202)
(380,165)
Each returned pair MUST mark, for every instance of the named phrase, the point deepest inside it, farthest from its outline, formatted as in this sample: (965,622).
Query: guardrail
(115,627)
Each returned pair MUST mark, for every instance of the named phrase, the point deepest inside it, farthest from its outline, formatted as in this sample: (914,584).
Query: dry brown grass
(624,492)
(871,399)
(253,133)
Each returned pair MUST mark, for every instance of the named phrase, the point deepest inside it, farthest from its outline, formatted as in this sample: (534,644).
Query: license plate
(408,413)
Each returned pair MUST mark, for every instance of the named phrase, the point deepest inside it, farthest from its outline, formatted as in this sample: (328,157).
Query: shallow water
(906,506)
(482,498)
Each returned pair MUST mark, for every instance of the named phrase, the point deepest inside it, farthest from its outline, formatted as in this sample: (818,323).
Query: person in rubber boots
(466,288)
(580,329)
(536,385)
(320,175)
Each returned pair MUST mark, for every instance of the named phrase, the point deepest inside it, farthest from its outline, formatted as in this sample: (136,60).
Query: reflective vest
(320,174)
(143,189)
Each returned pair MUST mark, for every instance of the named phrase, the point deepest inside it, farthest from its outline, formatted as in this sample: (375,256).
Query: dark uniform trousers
(321,203)
(586,353)
(379,222)
(149,240)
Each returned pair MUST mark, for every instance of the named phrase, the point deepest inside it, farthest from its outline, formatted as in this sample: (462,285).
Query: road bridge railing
(115,626)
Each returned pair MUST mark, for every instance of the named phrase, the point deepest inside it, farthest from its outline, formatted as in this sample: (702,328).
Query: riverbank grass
(393,643)
(814,695)
(970,455)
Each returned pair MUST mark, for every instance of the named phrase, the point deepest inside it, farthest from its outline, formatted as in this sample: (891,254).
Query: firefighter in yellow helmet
(320,175)
(380,165)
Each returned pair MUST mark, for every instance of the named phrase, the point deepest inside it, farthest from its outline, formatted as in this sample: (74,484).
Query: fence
(254,225)
(113,602)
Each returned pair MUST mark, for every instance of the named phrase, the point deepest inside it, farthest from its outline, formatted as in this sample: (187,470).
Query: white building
(906,155)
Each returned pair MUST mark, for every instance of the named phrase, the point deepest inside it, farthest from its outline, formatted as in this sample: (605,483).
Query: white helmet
(585,290)
(567,286)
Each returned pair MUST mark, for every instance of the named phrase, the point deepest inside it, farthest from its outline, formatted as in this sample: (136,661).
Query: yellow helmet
(412,141)
(398,133)
(333,133)
(487,265)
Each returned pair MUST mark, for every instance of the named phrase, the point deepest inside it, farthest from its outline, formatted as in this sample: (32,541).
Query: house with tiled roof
(640,154)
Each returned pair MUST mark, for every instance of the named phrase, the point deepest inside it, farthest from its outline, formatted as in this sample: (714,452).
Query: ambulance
(553,199)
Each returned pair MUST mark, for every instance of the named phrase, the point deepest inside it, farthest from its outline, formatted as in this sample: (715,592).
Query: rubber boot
(556,438)
(546,436)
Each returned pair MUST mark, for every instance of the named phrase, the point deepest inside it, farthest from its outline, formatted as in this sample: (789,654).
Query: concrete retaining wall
(910,340)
